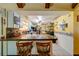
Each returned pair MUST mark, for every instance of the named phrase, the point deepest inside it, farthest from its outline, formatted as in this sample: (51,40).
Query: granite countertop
(33,37)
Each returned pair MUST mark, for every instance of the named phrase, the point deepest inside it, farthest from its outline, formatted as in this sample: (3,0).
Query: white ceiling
(37,6)
(43,13)
(47,16)
(38,9)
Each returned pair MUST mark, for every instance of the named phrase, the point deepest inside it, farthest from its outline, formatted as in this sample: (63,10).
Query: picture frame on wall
(16,21)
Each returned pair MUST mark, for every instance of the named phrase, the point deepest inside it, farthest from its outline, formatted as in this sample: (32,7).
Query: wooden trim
(76,54)
(2,34)
(2,27)
(19,39)
(74,5)
(47,5)
(13,20)
(53,40)
(7,18)
(20,5)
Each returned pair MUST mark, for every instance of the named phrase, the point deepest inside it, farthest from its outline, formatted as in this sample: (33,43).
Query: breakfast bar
(27,38)
(34,37)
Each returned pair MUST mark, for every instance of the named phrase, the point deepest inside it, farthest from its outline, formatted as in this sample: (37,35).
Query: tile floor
(59,51)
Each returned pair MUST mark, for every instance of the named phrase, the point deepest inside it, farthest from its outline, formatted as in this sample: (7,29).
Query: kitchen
(34,26)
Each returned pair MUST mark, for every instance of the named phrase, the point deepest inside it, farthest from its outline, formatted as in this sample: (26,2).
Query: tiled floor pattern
(57,51)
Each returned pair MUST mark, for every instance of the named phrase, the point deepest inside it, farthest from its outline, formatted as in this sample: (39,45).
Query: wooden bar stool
(43,48)
(24,48)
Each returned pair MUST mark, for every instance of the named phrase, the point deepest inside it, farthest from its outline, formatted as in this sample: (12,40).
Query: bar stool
(43,48)
(24,48)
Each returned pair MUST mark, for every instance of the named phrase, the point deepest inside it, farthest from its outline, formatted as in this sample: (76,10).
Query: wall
(4,33)
(10,19)
(10,24)
(12,49)
(68,18)
(76,31)
(11,45)
(65,37)
(0,35)
(18,16)
(66,42)
(3,19)
(11,15)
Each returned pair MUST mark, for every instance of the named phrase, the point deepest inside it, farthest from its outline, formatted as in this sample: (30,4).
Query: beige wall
(65,39)
(4,30)
(76,30)
(68,18)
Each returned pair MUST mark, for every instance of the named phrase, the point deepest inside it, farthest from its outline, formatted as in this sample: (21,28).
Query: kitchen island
(34,37)
(11,42)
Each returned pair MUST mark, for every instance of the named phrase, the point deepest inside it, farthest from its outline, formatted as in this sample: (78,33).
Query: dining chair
(24,48)
(43,48)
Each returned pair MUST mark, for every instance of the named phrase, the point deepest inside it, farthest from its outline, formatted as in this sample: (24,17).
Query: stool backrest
(24,48)
(43,47)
